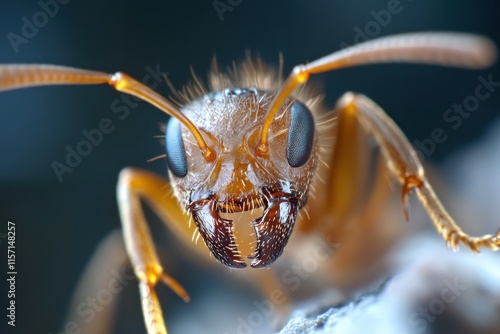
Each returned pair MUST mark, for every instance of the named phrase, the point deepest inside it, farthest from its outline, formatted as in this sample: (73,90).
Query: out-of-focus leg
(403,163)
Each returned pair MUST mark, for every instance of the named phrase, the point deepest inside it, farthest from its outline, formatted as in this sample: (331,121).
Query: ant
(253,144)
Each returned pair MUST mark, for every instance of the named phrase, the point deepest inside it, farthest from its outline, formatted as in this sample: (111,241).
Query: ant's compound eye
(300,135)
(176,155)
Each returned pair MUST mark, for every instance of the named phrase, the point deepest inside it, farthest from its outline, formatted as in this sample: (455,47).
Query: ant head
(239,179)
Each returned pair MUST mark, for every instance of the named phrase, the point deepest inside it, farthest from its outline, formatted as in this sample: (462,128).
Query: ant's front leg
(133,185)
(403,162)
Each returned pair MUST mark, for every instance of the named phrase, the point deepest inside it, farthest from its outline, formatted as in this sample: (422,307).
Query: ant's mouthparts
(272,230)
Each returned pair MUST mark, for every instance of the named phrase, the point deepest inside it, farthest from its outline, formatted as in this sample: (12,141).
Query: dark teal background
(59,224)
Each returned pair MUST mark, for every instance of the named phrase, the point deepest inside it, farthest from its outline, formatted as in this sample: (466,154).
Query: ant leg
(344,171)
(403,163)
(133,185)
(354,200)
(359,259)
(106,269)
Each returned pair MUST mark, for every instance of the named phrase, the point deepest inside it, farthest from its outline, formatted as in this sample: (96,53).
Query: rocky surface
(436,291)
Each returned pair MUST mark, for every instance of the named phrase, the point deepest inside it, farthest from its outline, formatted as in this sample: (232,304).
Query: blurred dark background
(59,224)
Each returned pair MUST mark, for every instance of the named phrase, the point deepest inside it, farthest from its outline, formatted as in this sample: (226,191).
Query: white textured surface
(428,270)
